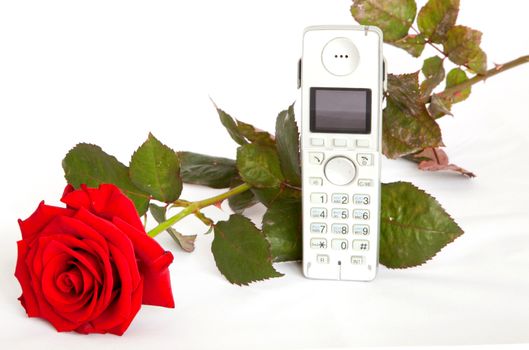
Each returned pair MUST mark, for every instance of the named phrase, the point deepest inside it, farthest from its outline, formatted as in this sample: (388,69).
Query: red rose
(90,266)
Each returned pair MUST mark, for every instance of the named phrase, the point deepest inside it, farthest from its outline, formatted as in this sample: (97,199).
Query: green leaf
(455,77)
(282,228)
(239,202)
(440,104)
(407,126)
(90,165)
(287,143)
(462,47)
(252,134)
(269,196)
(413,44)
(187,243)
(259,166)
(414,226)
(231,126)
(437,17)
(155,169)
(241,251)
(393,17)
(434,74)
(201,169)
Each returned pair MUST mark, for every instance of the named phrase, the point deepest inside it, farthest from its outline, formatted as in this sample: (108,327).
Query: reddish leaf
(435,159)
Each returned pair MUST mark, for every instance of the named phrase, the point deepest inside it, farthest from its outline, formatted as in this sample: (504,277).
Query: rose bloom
(90,266)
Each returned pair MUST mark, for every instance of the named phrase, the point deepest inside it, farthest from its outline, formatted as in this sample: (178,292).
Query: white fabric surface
(107,72)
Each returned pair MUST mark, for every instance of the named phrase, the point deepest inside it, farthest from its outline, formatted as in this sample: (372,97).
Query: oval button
(340,171)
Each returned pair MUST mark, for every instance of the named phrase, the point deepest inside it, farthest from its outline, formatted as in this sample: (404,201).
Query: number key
(340,213)
(361,230)
(339,244)
(339,229)
(318,213)
(318,198)
(340,198)
(361,199)
(318,228)
(361,214)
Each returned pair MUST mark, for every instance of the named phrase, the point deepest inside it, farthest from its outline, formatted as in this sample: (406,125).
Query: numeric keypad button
(318,213)
(340,198)
(319,198)
(318,227)
(340,213)
(361,199)
(318,243)
(339,244)
(360,245)
(361,230)
(361,214)
(340,229)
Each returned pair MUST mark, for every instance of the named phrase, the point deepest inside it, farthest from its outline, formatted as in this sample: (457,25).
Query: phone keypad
(341,220)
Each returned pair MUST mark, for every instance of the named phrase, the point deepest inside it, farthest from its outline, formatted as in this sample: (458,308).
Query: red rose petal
(27,299)
(153,261)
(79,230)
(55,247)
(68,189)
(136,305)
(51,292)
(39,219)
(119,310)
(49,313)
(106,201)
(75,308)
(113,235)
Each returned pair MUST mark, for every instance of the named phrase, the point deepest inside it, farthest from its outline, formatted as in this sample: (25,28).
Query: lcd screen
(340,110)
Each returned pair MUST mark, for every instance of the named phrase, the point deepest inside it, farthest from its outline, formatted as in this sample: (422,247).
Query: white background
(108,72)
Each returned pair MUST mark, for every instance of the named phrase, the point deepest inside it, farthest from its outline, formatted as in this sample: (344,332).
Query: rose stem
(194,206)
(481,77)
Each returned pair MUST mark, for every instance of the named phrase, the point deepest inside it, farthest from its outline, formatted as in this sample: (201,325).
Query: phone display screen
(340,110)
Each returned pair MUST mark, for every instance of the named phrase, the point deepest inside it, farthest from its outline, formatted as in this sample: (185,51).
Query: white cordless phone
(342,77)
